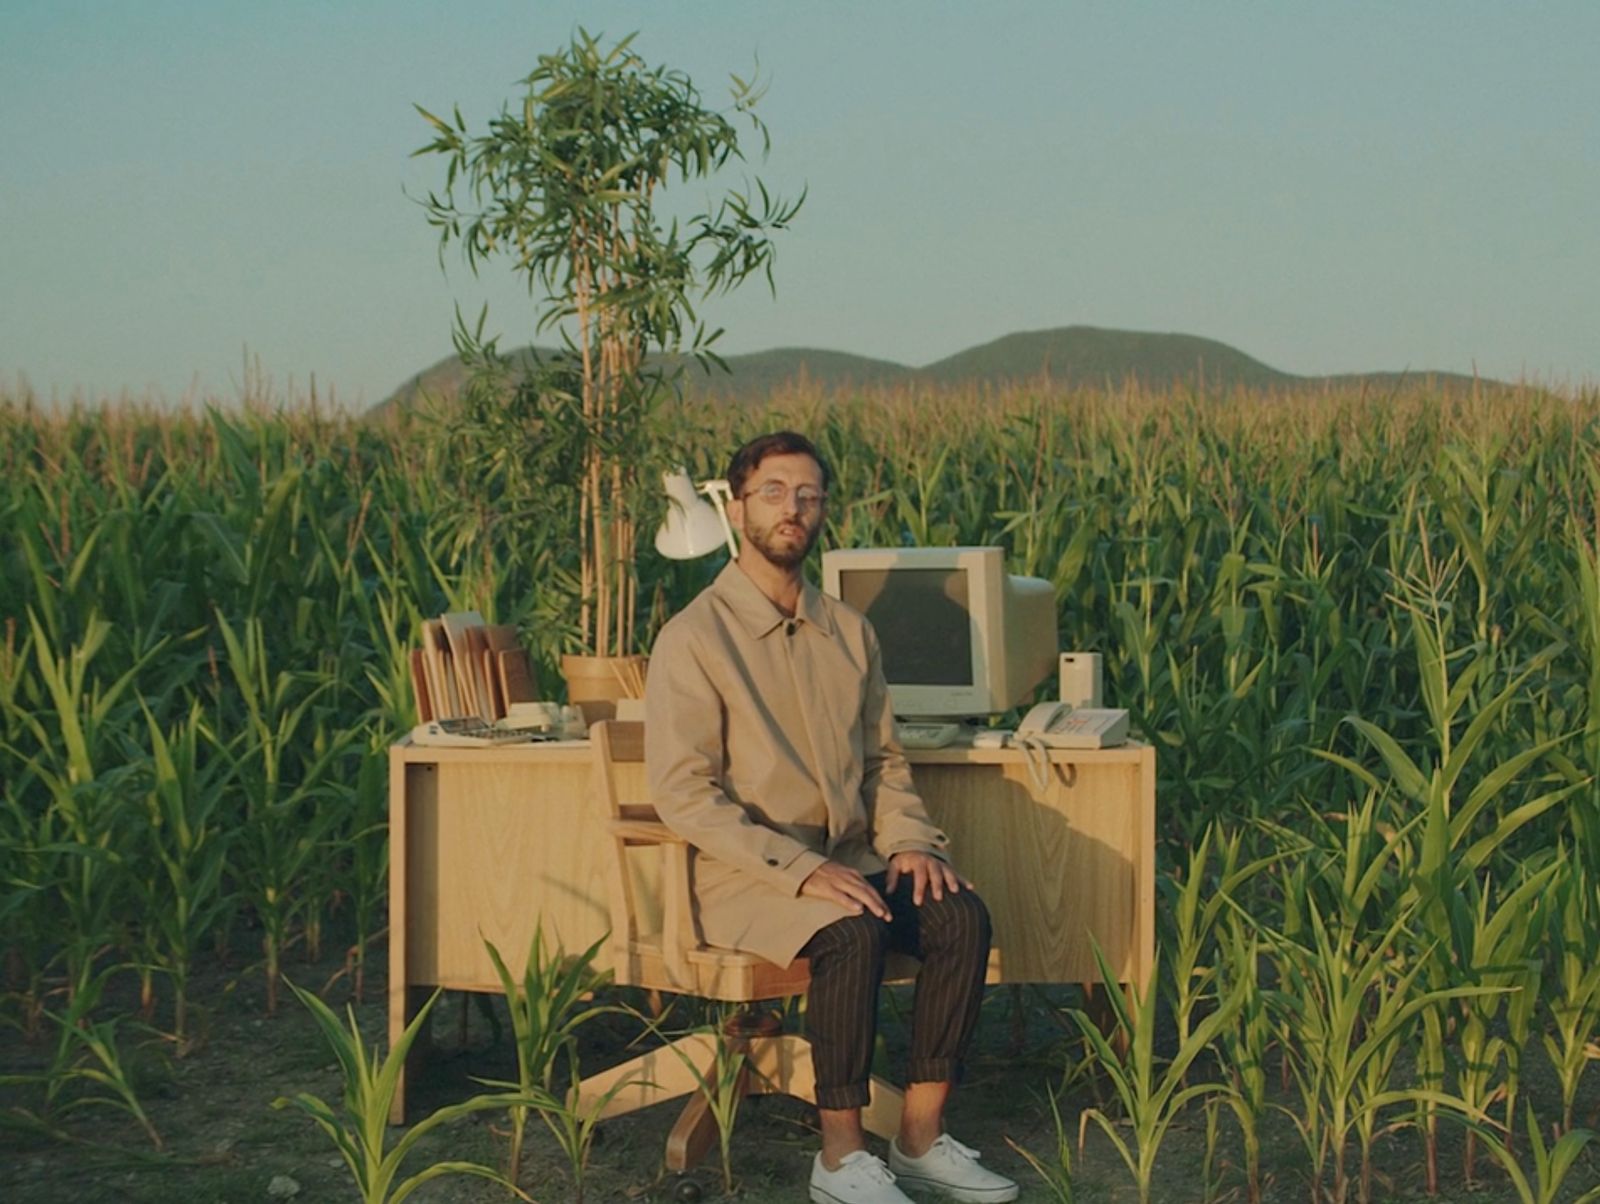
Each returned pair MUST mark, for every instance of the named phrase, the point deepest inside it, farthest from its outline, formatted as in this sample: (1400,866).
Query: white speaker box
(1080,679)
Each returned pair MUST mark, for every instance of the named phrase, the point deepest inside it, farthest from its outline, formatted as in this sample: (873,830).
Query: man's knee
(854,939)
(958,922)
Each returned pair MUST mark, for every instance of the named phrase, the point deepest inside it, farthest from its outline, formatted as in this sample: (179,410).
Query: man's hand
(842,885)
(927,873)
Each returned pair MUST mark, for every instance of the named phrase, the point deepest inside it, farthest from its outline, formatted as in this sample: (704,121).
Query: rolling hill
(1069,356)
(1087,355)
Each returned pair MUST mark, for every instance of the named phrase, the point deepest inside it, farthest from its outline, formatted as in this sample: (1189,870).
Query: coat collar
(755,610)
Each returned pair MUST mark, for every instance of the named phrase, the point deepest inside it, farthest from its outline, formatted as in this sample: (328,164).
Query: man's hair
(778,443)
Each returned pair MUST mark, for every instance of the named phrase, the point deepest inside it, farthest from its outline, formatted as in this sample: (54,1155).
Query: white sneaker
(951,1169)
(861,1179)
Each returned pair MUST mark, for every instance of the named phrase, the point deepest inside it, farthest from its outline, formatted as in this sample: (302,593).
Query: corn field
(1363,632)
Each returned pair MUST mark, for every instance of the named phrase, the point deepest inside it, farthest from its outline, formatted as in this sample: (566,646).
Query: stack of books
(469,668)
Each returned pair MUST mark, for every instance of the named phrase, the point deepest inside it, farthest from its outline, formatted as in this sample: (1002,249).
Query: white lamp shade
(692,527)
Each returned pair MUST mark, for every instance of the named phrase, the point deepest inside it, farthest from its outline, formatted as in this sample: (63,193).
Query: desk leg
(400,1004)
(1144,915)
(1144,878)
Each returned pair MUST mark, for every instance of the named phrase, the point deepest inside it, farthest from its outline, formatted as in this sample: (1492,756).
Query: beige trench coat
(770,747)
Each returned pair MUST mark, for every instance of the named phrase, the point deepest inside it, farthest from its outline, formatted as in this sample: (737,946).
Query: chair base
(775,1063)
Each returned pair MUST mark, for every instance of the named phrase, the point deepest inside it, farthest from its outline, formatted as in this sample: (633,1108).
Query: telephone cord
(1036,754)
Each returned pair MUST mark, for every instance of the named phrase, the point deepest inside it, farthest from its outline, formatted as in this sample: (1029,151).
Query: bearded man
(770,748)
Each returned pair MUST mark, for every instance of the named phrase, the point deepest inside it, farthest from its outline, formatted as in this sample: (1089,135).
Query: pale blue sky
(1330,187)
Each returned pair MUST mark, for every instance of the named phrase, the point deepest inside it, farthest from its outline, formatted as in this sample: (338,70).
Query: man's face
(780,511)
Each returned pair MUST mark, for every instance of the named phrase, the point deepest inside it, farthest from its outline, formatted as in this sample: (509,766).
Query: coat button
(772,861)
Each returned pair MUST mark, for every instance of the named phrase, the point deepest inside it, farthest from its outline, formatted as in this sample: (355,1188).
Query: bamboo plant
(568,183)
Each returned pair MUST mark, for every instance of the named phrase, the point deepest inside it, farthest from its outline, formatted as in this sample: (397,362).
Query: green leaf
(1407,776)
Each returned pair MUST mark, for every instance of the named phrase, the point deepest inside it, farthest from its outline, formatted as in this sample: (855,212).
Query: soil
(224,1141)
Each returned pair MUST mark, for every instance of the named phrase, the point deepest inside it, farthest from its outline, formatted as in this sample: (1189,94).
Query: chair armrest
(644,831)
(678,932)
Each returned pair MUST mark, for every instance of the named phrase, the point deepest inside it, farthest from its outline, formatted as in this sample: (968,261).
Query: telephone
(1059,725)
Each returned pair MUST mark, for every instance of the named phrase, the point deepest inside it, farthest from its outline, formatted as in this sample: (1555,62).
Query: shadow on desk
(1053,870)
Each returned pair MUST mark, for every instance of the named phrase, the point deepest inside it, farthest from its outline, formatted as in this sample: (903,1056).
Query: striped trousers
(950,937)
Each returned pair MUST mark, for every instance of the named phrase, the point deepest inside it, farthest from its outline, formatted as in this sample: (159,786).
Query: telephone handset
(1059,725)
(1043,719)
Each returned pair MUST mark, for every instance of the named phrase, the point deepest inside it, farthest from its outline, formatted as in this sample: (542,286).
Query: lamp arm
(720,494)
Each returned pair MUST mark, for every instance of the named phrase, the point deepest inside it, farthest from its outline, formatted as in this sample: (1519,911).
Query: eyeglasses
(773,493)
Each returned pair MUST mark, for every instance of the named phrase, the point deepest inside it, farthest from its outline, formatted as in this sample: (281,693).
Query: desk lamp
(694,527)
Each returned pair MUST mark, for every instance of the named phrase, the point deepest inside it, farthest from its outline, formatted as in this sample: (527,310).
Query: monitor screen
(923,618)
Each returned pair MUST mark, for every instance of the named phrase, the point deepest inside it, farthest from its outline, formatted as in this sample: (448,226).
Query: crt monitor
(961,637)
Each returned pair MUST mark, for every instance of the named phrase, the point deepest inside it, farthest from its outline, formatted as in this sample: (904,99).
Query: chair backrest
(630,823)
(616,743)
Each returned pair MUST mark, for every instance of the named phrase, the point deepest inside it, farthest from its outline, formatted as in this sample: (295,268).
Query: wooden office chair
(670,956)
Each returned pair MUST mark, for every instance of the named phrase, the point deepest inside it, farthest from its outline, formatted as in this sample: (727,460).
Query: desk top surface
(562,752)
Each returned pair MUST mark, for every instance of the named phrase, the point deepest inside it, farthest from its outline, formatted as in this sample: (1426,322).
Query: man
(770,748)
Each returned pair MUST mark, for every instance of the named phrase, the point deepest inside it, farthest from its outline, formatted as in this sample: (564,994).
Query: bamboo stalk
(587,562)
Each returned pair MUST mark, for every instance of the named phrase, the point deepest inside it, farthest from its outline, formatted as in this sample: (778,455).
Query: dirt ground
(225,1143)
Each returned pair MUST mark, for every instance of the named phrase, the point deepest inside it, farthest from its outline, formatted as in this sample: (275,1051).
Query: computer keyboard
(928,735)
(466,733)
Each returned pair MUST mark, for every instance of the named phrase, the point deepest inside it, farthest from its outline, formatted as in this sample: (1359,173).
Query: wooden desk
(488,843)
